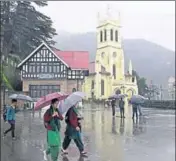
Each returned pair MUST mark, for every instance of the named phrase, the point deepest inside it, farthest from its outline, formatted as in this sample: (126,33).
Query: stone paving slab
(151,138)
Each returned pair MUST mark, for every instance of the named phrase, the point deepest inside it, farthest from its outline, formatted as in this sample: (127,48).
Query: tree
(23,28)
(141,82)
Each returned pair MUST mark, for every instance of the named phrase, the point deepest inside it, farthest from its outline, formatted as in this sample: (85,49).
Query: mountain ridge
(148,58)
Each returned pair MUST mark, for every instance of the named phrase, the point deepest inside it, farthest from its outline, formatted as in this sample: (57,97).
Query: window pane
(54,69)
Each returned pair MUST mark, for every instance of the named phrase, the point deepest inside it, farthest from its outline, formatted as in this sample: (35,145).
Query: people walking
(10,117)
(113,104)
(139,110)
(135,108)
(73,131)
(121,106)
(52,119)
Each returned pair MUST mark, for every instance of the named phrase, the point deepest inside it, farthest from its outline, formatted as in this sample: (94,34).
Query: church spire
(130,68)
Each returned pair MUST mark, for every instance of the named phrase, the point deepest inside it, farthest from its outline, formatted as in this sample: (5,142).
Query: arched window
(102,87)
(101,36)
(116,35)
(133,79)
(114,71)
(93,84)
(105,35)
(111,34)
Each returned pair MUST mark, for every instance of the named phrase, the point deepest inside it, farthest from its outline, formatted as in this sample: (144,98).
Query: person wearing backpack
(10,117)
(52,119)
(73,131)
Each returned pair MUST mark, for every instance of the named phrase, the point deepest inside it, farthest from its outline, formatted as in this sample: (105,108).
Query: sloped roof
(73,59)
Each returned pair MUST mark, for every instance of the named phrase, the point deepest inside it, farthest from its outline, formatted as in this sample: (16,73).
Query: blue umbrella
(137,99)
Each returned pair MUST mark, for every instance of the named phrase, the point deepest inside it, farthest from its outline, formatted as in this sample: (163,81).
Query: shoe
(44,155)
(83,154)
(13,138)
(64,151)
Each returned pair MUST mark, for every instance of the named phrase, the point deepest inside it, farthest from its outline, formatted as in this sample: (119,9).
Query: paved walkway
(106,139)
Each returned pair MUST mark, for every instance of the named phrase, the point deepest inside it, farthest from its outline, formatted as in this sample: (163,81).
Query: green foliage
(23,28)
(7,83)
(141,82)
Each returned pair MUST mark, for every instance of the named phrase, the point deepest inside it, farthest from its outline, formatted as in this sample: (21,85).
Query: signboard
(46,76)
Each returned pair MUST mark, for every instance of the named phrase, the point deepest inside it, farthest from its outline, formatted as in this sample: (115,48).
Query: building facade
(47,70)
(171,88)
(107,73)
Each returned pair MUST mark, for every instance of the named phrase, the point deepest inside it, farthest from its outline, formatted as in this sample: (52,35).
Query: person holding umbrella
(10,117)
(73,131)
(52,119)
(113,104)
(122,105)
(135,112)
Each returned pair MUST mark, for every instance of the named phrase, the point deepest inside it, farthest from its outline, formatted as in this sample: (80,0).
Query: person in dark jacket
(113,104)
(10,117)
(122,109)
(52,119)
(135,110)
(73,131)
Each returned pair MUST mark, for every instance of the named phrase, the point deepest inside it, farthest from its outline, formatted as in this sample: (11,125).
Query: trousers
(77,140)
(12,129)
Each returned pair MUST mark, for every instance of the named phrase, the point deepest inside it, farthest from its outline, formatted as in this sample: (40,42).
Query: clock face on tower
(114,54)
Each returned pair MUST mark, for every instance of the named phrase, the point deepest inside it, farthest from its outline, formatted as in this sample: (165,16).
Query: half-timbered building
(48,70)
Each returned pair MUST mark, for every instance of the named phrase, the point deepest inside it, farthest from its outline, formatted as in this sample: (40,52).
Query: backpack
(66,117)
(5,113)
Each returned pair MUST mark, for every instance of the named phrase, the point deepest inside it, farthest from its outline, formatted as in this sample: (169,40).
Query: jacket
(52,123)
(10,116)
(121,104)
(72,123)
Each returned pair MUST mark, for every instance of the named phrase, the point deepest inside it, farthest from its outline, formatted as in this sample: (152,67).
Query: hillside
(149,59)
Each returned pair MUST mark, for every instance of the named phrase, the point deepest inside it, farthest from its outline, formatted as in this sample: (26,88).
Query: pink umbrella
(46,100)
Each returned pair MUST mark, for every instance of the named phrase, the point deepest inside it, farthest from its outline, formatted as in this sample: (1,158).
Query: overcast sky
(150,20)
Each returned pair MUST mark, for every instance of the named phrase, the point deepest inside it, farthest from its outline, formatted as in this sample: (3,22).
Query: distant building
(171,88)
(48,70)
(106,73)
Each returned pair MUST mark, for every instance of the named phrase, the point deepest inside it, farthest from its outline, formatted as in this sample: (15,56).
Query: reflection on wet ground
(150,138)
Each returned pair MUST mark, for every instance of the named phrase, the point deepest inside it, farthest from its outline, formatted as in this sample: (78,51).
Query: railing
(162,104)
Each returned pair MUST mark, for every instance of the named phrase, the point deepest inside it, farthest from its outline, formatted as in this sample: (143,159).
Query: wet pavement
(151,138)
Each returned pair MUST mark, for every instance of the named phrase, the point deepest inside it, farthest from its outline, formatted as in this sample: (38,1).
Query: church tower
(130,68)
(109,45)
(106,73)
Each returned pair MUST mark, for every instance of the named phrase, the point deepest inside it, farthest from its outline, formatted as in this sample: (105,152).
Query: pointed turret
(130,68)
